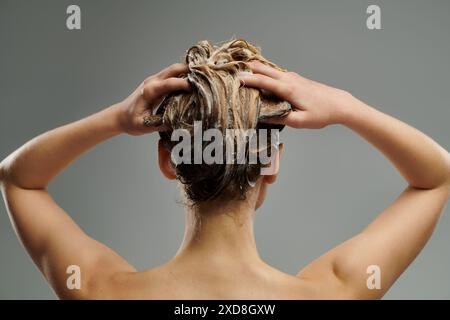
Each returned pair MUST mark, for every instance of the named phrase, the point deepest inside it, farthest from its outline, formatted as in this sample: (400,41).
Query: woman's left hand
(132,111)
(315,105)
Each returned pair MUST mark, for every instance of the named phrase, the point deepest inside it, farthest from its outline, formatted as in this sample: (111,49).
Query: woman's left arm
(51,237)
(397,235)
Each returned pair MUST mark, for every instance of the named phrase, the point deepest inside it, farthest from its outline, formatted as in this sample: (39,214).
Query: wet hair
(220,101)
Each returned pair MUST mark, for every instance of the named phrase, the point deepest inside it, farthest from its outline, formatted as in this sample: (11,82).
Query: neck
(221,232)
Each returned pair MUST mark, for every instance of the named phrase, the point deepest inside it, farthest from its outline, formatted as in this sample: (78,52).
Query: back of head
(218,101)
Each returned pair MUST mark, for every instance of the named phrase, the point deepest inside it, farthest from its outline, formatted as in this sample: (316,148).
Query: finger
(173,70)
(261,68)
(156,89)
(261,81)
(295,119)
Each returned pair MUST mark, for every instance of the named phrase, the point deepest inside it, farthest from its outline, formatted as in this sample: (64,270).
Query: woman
(224,87)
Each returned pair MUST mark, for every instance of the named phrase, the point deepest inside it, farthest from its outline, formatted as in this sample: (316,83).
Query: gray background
(331,184)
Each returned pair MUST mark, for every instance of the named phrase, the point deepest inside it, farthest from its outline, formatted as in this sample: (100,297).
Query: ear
(164,161)
(272,177)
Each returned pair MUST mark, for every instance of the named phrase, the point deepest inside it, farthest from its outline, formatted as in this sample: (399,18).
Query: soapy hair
(220,101)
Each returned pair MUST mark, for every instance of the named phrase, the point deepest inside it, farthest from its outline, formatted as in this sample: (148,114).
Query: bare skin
(220,259)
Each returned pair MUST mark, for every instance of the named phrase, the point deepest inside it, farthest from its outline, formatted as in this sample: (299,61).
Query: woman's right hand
(315,105)
(137,106)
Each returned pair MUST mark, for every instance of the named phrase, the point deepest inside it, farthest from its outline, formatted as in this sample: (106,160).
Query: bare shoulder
(306,287)
(168,282)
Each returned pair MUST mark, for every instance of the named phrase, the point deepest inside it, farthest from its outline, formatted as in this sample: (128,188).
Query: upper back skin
(187,281)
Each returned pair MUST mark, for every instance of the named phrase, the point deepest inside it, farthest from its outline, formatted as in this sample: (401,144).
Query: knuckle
(288,90)
(148,81)
(157,85)
(147,92)
(151,88)
(169,83)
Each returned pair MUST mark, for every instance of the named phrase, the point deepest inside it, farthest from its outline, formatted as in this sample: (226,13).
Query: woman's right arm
(53,240)
(398,234)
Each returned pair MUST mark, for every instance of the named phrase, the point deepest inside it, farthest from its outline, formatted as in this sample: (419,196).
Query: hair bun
(199,54)
(218,100)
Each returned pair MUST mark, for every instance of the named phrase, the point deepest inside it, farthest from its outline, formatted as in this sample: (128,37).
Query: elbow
(5,172)
(439,178)
(12,173)
(447,162)
(2,173)
(446,174)
(438,174)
